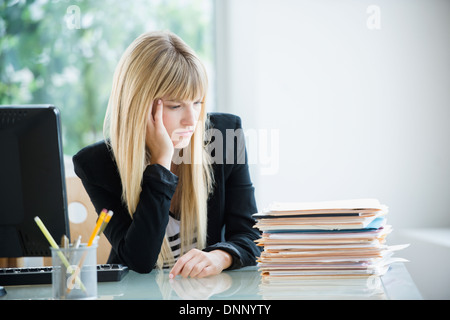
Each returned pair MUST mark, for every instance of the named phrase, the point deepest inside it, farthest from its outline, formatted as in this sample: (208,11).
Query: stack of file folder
(325,240)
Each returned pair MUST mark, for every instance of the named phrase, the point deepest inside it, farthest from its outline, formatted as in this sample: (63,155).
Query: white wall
(359,112)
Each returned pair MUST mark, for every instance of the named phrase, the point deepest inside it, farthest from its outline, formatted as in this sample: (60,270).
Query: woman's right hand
(157,139)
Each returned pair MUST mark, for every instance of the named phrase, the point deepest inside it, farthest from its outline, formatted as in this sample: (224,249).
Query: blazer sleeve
(239,201)
(136,241)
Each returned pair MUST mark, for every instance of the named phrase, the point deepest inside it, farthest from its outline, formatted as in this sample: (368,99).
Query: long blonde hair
(155,65)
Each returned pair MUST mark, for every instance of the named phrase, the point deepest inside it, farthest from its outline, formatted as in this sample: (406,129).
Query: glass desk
(243,284)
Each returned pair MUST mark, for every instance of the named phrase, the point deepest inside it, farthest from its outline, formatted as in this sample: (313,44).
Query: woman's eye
(196,105)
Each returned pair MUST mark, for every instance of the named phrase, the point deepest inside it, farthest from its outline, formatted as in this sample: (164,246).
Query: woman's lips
(184,133)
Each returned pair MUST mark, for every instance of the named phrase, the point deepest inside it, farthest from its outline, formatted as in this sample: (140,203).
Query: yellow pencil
(97,227)
(105,222)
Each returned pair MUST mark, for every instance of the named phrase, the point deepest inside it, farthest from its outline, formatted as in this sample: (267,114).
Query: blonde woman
(177,202)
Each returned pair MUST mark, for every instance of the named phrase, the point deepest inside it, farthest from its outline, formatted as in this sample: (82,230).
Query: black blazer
(137,242)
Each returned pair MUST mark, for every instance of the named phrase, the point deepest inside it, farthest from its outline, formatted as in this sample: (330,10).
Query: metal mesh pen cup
(74,272)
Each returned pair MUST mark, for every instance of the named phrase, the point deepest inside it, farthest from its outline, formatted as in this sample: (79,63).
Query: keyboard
(43,275)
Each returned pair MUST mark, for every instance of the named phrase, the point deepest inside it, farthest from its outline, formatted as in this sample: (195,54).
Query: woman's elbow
(141,269)
(142,266)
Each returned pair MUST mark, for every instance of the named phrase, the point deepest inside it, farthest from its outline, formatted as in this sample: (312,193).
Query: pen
(76,244)
(64,242)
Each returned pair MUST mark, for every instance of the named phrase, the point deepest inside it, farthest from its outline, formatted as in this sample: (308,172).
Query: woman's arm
(136,242)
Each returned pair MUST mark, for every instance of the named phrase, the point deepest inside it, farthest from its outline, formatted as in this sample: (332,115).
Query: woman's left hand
(199,264)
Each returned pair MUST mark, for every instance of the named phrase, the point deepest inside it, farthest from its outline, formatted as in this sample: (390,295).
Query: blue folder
(376,224)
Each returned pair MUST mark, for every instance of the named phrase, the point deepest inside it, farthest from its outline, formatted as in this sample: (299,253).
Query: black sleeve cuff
(230,249)
(161,179)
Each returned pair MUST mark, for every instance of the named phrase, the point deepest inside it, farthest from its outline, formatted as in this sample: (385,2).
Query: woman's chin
(181,144)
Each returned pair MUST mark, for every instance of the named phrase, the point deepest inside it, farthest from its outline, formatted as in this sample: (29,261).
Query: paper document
(325,240)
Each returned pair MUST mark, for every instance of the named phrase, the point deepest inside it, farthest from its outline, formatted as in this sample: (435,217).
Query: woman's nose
(190,116)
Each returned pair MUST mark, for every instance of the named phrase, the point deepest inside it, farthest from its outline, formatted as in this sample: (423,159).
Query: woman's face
(180,120)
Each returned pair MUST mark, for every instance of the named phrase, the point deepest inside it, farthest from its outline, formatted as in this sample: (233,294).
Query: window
(64,52)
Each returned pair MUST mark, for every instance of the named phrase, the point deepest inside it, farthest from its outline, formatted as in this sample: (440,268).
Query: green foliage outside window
(64,52)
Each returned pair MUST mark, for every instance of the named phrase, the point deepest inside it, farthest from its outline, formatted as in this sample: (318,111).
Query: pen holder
(74,273)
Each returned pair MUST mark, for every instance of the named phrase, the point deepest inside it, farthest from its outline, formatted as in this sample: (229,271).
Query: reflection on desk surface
(247,283)
(243,284)
(228,285)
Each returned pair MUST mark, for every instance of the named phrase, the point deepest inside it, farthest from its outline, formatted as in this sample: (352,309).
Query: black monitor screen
(32,180)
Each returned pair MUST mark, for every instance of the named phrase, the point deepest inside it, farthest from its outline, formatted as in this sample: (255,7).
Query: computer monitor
(32,180)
